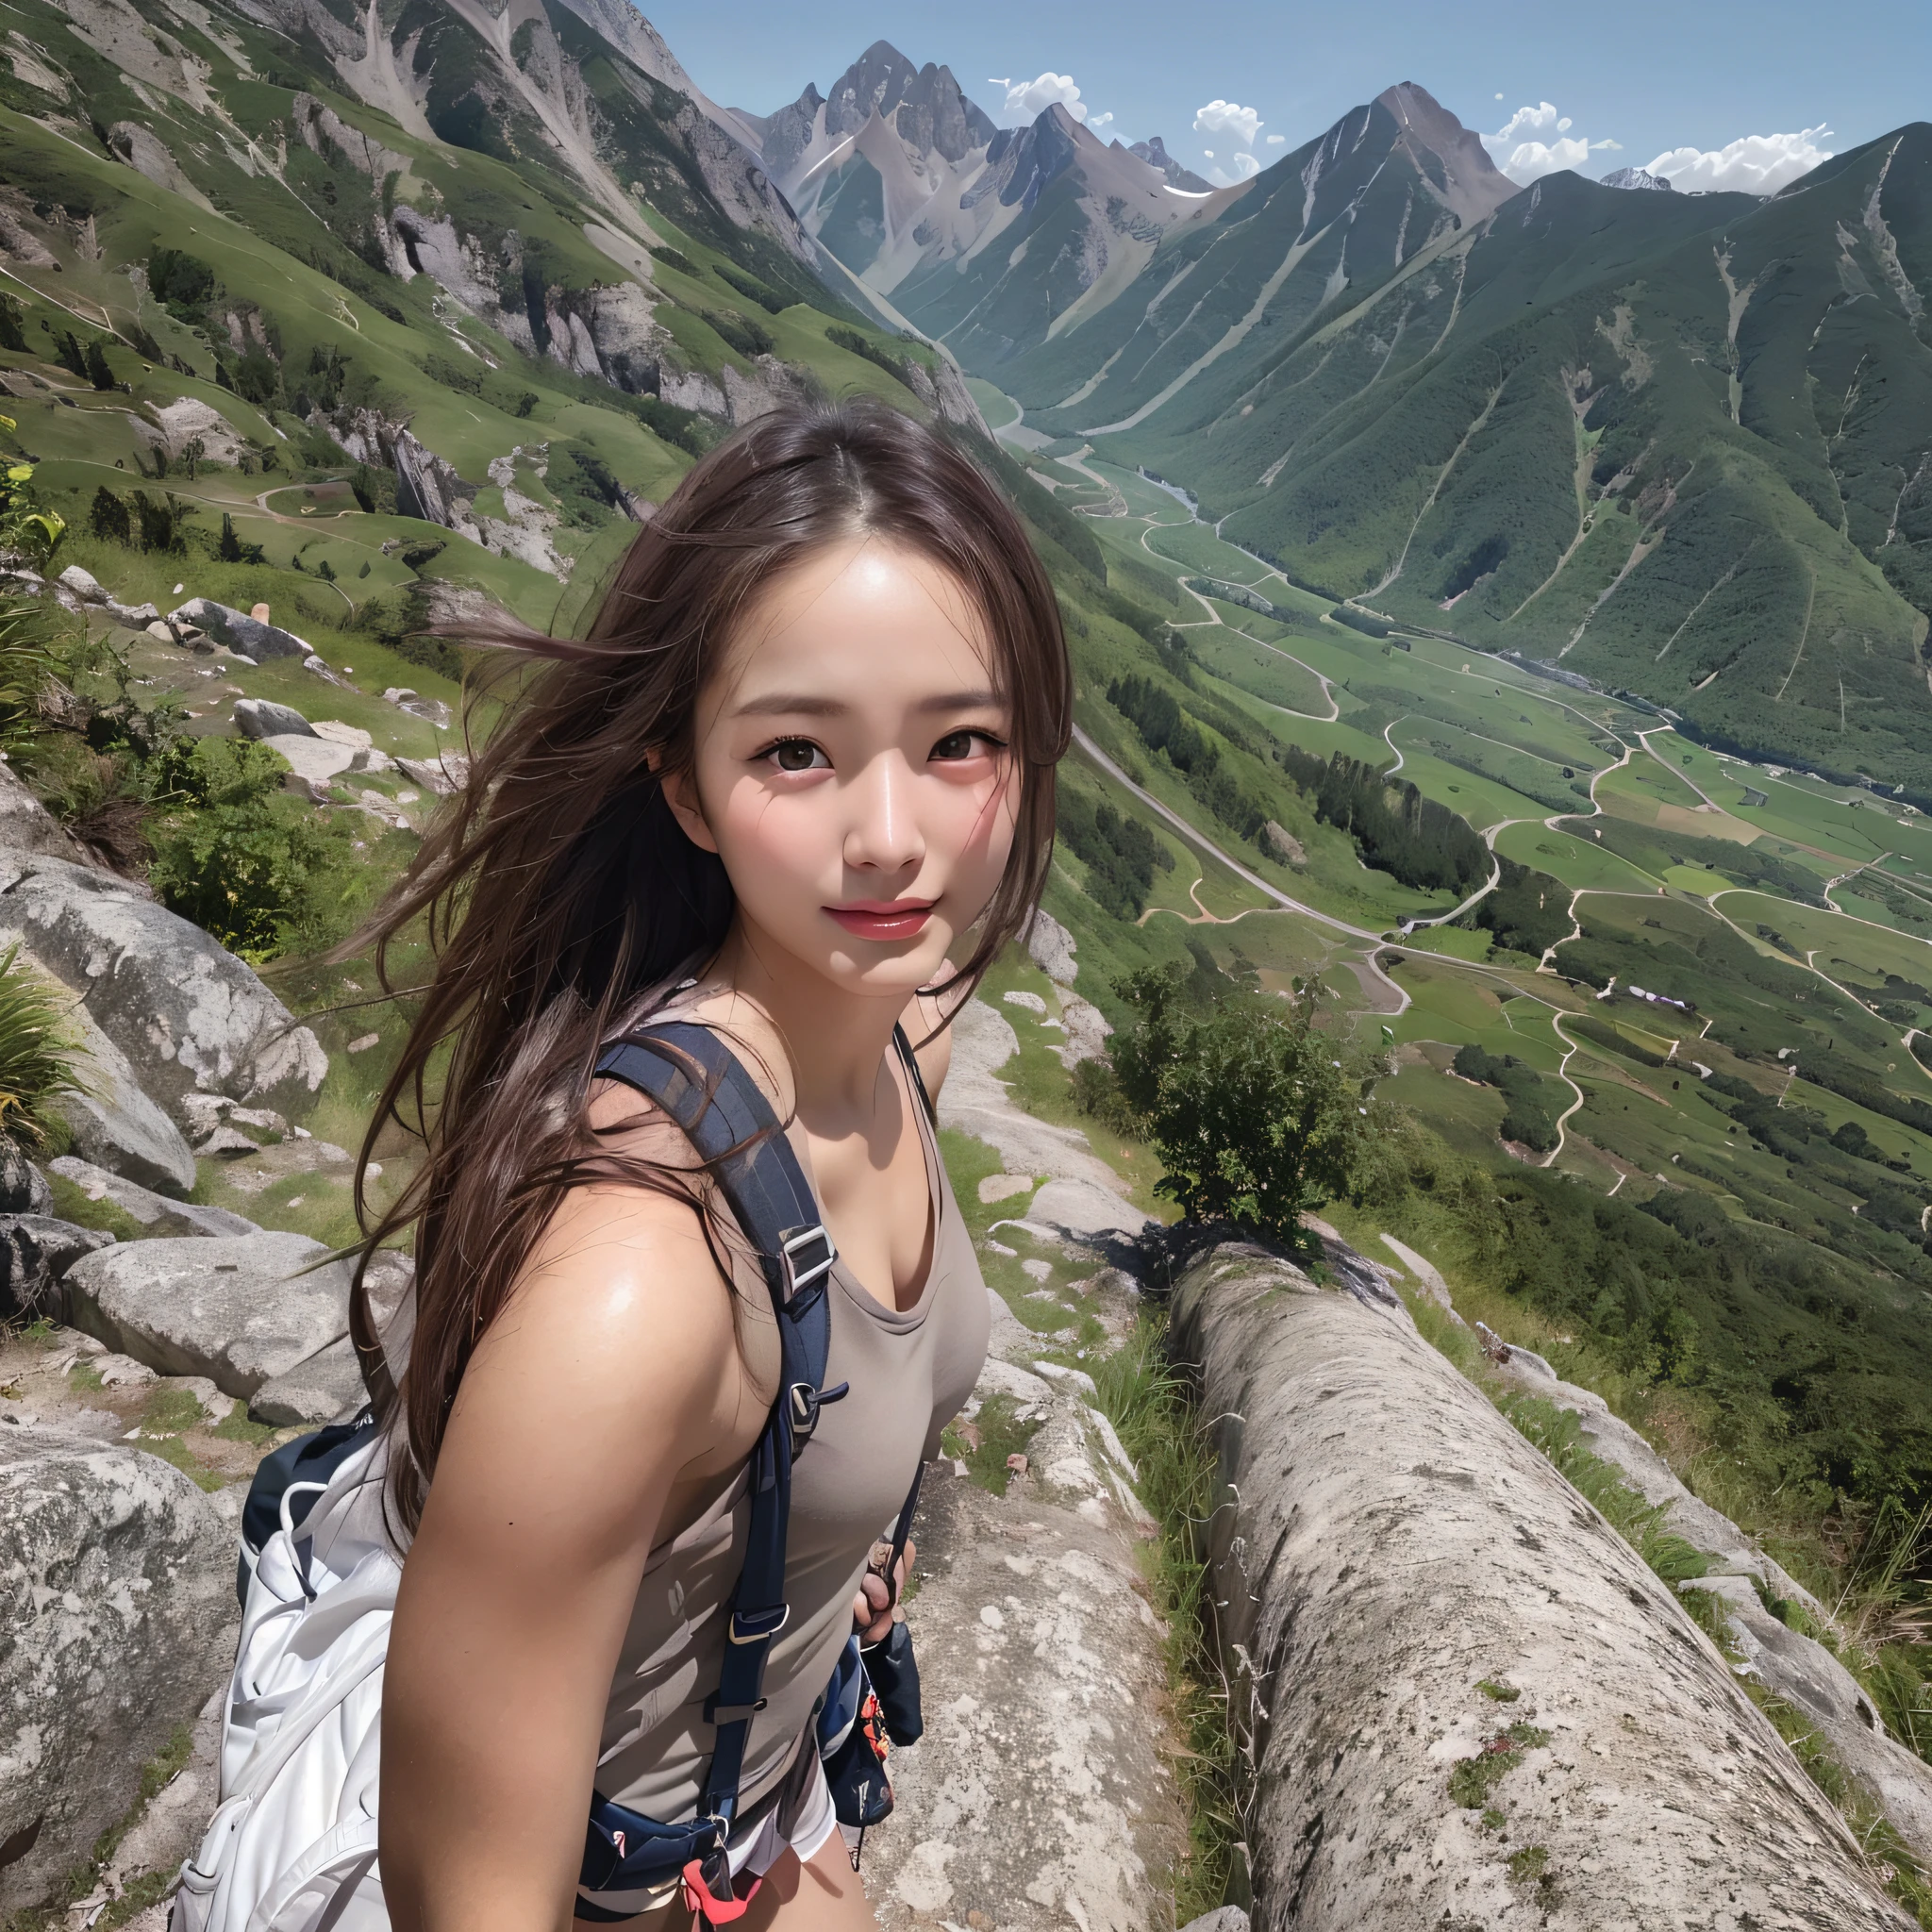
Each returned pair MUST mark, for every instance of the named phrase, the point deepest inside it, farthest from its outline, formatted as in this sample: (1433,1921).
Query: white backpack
(292,1847)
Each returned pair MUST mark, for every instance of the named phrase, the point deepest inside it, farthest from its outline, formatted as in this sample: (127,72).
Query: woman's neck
(830,1040)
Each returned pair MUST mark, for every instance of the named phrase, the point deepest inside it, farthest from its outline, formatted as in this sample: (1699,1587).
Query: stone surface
(117,1622)
(24,1187)
(238,630)
(309,756)
(26,825)
(263,718)
(1051,947)
(1384,1544)
(1088,1030)
(443,776)
(1003,1187)
(172,1825)
(154,1213)
(84,584)
(431,711)
(110,1121)
(36,1252)
(975,1102)
(317,1390)
(187,1014)
(241,1309)
(1038,1798)
(1797,1667)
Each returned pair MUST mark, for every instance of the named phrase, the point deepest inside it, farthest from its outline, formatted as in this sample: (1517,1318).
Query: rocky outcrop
(26,825)
(36,1252)
(154,1213)
(1466,1696)
(241,1309)
(147,154)
(320,1388)
(111,1122)
(117,1619)
(264,718)
(1748,1583)
(1082,1197)
(251,636)
(186,1012)
(188,419)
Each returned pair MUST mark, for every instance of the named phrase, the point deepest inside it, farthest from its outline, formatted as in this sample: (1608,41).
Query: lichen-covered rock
(27,825)
(1471,1701)
(117,1620)
(1038,1798)
(327,1385)
(264,718)
(241,1309)
(187,1014)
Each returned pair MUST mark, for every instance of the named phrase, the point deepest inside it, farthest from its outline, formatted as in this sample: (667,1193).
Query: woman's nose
(882,834)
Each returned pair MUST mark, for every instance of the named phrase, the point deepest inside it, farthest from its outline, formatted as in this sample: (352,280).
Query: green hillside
(1676,444)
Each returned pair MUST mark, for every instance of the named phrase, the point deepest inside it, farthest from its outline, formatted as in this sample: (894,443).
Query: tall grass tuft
(36,1059)
(1152,1405)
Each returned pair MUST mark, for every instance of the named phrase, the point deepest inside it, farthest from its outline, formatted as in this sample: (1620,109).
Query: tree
(109,518)
(1258,1116)
(193,453)
(99,371)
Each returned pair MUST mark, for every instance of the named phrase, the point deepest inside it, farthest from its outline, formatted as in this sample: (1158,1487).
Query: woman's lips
(881,919)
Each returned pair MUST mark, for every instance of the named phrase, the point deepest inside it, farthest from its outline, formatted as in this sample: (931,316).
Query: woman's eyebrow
(797,704)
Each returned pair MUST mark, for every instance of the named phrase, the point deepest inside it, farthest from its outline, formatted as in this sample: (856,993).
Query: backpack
(292,1846)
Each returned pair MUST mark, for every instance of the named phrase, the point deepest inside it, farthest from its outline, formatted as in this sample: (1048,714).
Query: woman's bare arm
(615,1371)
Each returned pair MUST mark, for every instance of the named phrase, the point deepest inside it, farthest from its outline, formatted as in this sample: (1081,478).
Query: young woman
(802,764)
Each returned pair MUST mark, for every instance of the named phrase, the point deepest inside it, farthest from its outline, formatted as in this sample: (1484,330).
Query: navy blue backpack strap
(698,1082)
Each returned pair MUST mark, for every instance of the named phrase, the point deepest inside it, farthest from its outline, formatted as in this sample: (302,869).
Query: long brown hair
(559,895)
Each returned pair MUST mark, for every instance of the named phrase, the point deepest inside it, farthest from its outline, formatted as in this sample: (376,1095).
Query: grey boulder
(238,630)
(154,1211)
(36,1252)
(188,1014)
(111,1122)
(28,826)
(327,1385)
(117,1620)
(24,1187)
(241,1309)
(263,718)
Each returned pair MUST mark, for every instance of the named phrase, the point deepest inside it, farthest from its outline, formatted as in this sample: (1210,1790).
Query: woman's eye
(963,745)
(798,755)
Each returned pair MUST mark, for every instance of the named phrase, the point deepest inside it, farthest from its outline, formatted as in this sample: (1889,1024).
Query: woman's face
(851,768)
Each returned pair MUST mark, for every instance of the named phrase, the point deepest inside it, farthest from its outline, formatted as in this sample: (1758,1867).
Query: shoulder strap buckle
(806,1254)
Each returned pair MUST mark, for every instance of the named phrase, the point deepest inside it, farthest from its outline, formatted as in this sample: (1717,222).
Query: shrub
(749,337)
(26,530)
(259,872)
(109,518)
(36,1061)
(1257,1116)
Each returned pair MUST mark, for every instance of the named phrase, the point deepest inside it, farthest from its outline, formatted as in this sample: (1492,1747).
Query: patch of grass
(1503,1693)
(1474,1778)
(84,1378)
(171,1409)
(1002,1433)
(236,1427)
(1529,1863)
(1901,1873)
(160,1770)
(73,1204)
(172,1449)
(1152,1405)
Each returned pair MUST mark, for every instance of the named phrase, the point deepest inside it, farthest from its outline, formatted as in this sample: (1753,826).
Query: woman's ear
(681,795)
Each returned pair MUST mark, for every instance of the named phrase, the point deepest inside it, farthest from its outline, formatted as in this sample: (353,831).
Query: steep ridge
(908,185)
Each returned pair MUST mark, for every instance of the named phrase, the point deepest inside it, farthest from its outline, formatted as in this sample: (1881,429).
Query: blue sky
(1655,77)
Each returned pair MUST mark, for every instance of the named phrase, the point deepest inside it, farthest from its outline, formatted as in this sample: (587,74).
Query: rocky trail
(1460,1692)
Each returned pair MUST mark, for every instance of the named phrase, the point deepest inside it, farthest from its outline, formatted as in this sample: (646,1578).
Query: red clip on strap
(700,1898)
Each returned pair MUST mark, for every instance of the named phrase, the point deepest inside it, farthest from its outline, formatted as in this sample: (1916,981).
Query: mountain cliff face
(1154,154)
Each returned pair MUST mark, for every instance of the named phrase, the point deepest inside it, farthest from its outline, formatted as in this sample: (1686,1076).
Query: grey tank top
(911,1371)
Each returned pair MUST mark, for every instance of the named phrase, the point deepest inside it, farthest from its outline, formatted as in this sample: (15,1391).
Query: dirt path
(1373,940)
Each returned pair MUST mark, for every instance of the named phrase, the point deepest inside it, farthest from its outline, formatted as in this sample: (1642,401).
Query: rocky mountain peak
(1636,178)
(1154,154)
(1450,157)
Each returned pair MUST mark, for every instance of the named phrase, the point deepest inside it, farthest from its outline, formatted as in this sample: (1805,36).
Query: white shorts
(756,1850)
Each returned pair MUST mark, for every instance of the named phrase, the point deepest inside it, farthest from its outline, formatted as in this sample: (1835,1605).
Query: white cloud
(1275,139)
(1524,148)
(1098,122)
(1208,152)
(1026,100)
(1240,162)
(1224,117)
(1757,164)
